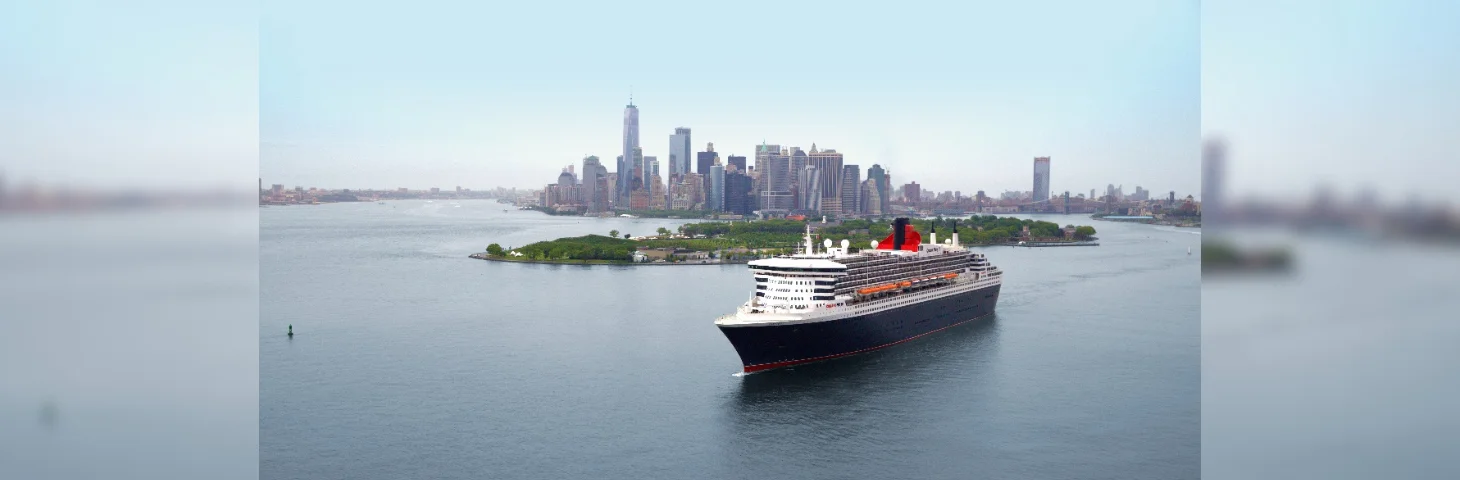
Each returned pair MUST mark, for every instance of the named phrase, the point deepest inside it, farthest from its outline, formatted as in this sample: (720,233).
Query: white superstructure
(834,283)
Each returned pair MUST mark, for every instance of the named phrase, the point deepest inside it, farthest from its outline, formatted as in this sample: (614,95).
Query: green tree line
(587,247)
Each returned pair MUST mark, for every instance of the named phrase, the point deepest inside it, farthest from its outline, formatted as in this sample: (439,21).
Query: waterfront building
(657,196)
(1041,179)
(639,199)
(689,193)
(912,193)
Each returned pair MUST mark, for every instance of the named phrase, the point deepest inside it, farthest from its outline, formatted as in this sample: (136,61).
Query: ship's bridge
(798,264)
(795,284)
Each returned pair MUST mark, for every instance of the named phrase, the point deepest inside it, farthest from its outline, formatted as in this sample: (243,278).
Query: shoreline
(484,256)
(1086,243)
(1152,221)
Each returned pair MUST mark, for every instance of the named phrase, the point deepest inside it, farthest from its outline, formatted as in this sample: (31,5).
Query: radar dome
(874,244)
(826,243)
(846,244)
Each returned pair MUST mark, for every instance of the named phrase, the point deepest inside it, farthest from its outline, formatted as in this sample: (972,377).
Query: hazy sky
(146,93)
(953,95)
(1347,93)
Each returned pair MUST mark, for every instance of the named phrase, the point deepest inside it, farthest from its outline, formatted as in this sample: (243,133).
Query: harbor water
(410,360)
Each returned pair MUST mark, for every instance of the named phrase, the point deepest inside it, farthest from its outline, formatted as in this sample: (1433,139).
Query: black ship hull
(766,347)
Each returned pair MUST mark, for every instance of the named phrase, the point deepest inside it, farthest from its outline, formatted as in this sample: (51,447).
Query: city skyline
(631,113)
(1115,99)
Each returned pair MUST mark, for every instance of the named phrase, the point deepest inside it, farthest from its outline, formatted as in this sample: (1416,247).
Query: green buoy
(291,330)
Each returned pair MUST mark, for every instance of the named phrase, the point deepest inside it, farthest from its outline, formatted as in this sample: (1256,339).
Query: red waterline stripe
(768,366)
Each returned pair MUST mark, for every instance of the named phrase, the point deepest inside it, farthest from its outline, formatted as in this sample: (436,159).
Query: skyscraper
(630,144)
(851,189)
(717,189)
(705,159)
(879,177)
(1213,156)
(829,165)
(679,154)
(593,176)
(871,203)
(739,162)
(775,179)
(637,163)
(809,193)
(738,197)
(623,173)
(651,174)
(798,164)
(1041,179)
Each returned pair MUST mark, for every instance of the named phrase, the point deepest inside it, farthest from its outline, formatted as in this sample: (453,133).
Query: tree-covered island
(740,241)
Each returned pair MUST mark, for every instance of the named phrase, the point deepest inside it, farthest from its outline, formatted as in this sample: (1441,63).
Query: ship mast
(809,245)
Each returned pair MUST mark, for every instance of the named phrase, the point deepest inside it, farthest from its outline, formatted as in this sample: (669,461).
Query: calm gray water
(1345,369)
(135,331)
(412,361)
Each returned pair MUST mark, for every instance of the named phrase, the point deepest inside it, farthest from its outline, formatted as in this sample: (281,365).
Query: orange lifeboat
(879,288)
(951,276)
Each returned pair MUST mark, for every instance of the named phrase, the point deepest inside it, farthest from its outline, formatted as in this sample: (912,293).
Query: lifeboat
(951,276)
(879,288)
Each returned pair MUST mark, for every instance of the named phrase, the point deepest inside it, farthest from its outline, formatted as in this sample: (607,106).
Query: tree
(494,250)
(626,236)
(613,233)
(663,232)
(1083,232)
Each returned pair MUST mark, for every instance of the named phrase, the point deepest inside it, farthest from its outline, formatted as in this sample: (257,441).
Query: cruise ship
(816,306)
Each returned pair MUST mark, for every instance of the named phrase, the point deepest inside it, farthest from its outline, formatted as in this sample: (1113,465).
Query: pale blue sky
(954,95)
(137,94)
(1347,93)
